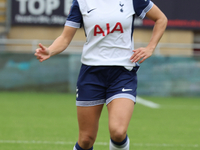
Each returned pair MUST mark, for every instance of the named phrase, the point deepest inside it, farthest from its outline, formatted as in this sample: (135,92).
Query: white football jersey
(108,26)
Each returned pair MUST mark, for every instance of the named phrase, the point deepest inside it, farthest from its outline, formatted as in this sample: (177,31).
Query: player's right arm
(60,44)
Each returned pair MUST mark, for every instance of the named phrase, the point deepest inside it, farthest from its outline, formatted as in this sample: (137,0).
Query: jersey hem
(128,67)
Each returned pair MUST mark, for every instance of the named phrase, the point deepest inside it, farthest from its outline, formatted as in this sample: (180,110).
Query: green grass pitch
(47,121)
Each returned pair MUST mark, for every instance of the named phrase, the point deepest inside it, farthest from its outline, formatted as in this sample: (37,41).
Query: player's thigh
(120,112)
(88,120)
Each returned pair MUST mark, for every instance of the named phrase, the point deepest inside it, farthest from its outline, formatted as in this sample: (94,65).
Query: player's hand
(42,53)
(141,53)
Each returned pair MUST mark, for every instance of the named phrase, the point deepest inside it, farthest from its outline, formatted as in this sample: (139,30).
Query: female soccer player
(109,63)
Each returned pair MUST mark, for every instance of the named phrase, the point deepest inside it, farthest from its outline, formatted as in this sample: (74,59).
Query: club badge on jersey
(121,5)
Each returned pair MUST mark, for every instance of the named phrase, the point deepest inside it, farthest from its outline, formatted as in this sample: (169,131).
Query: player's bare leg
(120,112)
(88,120)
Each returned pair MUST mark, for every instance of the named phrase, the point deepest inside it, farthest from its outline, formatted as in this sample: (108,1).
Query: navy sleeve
(141,7)
(74,18)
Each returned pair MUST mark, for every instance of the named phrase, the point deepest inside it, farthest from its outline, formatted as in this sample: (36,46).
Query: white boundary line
(97,143)
(147,103)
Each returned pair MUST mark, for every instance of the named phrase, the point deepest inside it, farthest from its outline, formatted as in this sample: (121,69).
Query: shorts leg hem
(122,95)
(90,103)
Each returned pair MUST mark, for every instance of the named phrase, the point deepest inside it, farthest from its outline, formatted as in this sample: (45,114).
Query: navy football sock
(120,143)
(77,147)
(124,145)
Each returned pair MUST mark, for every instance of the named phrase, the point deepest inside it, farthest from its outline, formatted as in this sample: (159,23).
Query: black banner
(40,12)
(182,14)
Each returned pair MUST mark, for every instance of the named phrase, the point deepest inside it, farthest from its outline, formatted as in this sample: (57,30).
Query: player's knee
(86,141)
(118,134)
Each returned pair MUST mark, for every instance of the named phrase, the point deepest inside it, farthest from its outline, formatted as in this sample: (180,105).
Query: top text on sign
(39,7)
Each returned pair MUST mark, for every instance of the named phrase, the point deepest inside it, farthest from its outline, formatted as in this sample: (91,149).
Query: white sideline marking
(147,103)
(98,143)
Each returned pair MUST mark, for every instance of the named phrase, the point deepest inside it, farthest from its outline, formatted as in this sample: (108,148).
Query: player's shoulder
(141,2)
(141,7)
(82,2)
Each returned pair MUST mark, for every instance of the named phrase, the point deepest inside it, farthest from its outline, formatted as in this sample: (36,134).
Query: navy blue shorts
(101,84)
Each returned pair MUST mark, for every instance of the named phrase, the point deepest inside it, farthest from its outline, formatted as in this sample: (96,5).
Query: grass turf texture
(47,121)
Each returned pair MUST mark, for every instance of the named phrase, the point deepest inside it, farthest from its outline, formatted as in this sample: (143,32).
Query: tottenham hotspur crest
(121,5)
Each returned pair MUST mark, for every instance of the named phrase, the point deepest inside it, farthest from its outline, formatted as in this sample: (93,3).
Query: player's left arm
(160,20)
